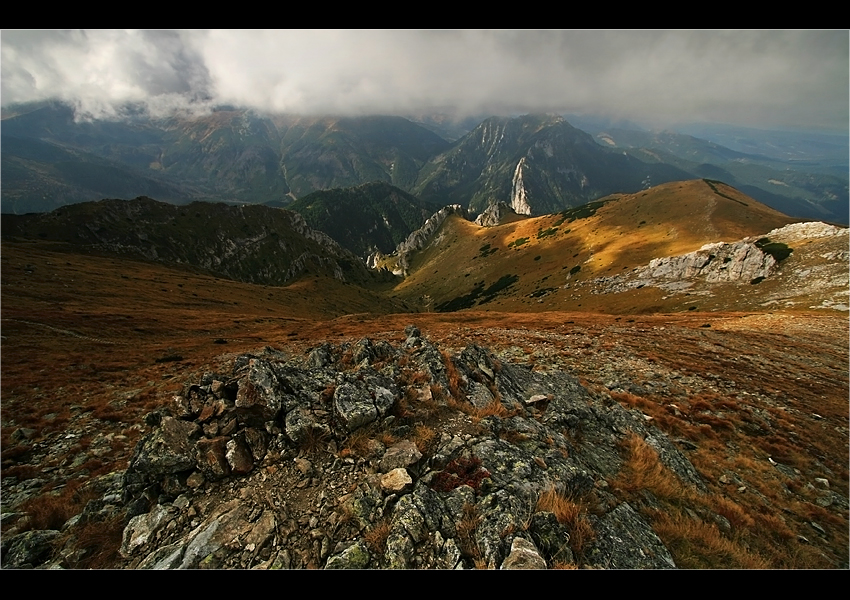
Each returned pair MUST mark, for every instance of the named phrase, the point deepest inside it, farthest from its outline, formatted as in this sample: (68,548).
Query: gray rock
(551,537)
(403,454)
(524,555)
(624,540)
(140,530)
(494,214)
(260,390)
(354,406)
(169,449)
(356,556)
(28,549)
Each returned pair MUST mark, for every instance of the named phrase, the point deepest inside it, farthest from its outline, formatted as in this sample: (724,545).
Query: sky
(768,79)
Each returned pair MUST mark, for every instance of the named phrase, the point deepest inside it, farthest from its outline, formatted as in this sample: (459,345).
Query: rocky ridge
(250,243)
(418,239)
(467,500)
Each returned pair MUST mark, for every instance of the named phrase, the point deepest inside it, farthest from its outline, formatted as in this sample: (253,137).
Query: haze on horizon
(766,79)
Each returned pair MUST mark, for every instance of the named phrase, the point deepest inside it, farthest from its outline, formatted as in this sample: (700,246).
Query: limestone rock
(524,555)
(396,481)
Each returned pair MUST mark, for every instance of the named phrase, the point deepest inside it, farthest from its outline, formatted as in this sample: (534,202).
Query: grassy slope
(626,232)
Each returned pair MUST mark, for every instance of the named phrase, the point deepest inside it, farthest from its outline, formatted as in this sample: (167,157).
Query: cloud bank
(794,79)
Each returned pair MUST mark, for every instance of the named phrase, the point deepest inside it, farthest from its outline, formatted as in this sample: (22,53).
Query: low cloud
(761,78)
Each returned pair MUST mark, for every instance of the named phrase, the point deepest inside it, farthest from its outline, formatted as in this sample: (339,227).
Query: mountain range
(537,163)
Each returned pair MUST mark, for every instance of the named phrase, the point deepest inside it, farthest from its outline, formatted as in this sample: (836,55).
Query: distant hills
(537,163)
(251,244)
(367,218)
(810,190)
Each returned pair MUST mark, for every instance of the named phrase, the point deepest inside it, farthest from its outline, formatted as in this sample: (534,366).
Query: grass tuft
(572,514)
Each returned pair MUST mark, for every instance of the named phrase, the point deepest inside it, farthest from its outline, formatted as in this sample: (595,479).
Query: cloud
(760,78)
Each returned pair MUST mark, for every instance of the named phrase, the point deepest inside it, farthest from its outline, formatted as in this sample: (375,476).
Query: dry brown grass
(562,566)
(571,513)
(760,538)
(494,408)
(376,537)
(644,471)
(328,393)
(100,543)
(513,436)
(387,438)
(732,511)
(44,370)
(51,511)
(357,443)
(425,438)
(697,545)
(314,441)
(454,377)
(22,472)
(467,527)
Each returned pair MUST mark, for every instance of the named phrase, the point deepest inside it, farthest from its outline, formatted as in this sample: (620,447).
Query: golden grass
(643,471)
(698,545)
(572,514)
(425,438)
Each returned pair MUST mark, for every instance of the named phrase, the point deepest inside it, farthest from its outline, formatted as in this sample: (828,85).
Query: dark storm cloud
(761,78)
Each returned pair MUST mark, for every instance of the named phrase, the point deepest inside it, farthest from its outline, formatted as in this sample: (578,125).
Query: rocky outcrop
(519,195)
(376,487)
(805,260)
(494,215)
(713,263)
(741,261)
(423,236)
(805,231)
